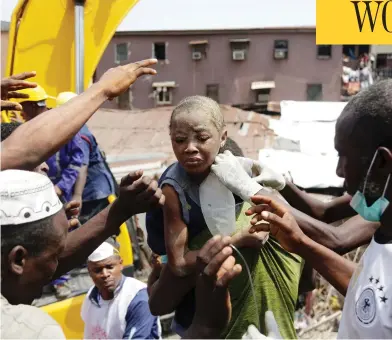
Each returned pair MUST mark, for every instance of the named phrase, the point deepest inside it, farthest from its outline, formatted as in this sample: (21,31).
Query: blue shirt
(99,183)
(65,164)
(188,194)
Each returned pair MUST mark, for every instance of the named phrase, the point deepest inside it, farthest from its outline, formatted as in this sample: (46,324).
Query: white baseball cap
(104,251)
(26,197)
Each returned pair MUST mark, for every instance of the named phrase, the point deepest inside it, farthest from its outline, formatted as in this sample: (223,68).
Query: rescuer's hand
(118,79)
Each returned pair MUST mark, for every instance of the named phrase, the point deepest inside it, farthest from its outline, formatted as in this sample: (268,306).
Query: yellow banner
(348,22)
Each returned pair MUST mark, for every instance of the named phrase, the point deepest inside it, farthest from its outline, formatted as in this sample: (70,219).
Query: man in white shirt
(117,306)
(364,142)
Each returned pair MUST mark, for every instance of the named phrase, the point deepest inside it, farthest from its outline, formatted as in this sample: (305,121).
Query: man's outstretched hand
(280,223)
(118,79)
(138,194)
(14,83)
(213,307)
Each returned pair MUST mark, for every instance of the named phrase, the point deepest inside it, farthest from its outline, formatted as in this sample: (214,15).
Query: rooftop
(141,138)
(201,15)
(5,26)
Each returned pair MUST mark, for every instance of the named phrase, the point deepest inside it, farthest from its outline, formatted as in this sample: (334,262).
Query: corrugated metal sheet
(141,138)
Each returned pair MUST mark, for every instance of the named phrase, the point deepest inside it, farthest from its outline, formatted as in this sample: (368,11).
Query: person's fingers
(277,207)
(271,326)
(257,209)
(227,265)
(142,63)
(162,200)
(24,75)
(156,197)
(145,70)
(131,177)
(224,281)
(150,191)
(7,105)
(213,266)
(13,94)
(217,247)
(73,223)
(205,255)
(259,227)
(72,204)
(14,84)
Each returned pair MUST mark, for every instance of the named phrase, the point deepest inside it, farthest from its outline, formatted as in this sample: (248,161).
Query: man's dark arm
(83,241)
(328,212)
(350,235)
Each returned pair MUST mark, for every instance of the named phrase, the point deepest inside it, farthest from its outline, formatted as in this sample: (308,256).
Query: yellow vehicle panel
(67,314)
(42,39)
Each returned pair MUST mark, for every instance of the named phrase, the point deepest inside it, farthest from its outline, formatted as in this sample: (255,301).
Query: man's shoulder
(133,284)
(28,322)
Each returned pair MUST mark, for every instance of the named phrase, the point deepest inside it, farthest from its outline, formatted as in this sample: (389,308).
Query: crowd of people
(55,216)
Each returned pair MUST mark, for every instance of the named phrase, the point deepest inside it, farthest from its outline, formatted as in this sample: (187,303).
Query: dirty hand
(15,83)
(72,211)
(59,192)
(281,224)
(138,195)
(10,85)
(118,79)
(243,238)
(271,328)
(231,173)
(217,268)
(263,174)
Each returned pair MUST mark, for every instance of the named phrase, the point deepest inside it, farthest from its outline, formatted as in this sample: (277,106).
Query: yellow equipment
(52,38)
(63,97)
(35,94)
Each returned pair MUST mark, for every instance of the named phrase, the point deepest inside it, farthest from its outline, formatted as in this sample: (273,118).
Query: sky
(7,7)
(221,14)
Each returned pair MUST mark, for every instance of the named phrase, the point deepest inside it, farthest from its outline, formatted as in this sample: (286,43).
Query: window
(123,101)
(324,51)
(199,49)
(121,52)
(239,48)
(164,96)
(262,96)
(314,92)
(212,91)
(160,50)
(281,49)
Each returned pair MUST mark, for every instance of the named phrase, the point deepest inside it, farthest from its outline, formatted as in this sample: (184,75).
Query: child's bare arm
(167,292)
(176,236)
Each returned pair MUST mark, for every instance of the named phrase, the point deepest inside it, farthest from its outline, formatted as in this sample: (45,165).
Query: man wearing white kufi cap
(117,306)
(33,234)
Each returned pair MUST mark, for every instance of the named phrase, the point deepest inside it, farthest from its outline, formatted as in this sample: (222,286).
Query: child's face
(196,141)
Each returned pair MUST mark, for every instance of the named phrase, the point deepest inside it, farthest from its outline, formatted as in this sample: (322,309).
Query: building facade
(244,68)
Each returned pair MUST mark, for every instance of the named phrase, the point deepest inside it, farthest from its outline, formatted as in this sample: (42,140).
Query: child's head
(197,131)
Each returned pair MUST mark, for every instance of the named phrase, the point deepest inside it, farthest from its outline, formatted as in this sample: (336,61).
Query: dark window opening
(121,52)
(281,49)
(212,92)
(314,92)
(160,51)
(324,51)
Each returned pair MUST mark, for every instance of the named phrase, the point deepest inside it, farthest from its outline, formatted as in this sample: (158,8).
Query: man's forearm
(303,201)
(333,267)
(80,181)
(84,240)
(337,209)
(35,141)
(350,235)
(163,298)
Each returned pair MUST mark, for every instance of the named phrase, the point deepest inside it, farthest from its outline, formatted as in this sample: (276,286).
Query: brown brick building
(239,53)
